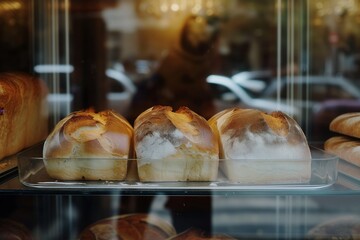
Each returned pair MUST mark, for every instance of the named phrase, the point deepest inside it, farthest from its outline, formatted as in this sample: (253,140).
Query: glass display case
(301,58)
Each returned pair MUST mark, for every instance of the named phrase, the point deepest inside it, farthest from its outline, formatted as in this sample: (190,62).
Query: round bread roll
(345,147)
(89,146)
(347,124)
(261,148)
(341,227)
(131,226)
(198,234)
(10,229)
(175,146)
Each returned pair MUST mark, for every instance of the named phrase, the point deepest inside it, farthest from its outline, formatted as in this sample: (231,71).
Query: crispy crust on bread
(344,147)
(347,124)
(23,112)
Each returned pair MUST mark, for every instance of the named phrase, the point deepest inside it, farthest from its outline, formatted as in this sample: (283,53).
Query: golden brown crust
(23,112)
(90,134)
(347,124)
(346,148)
(132,226)
(85,134)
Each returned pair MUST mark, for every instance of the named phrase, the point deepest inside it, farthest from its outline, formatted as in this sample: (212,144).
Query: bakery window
(179,119)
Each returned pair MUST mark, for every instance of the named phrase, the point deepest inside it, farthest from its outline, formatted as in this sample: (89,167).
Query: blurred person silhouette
(180,80)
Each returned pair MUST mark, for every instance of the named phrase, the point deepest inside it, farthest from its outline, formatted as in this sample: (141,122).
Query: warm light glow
(165,8)
(335,7)
(10,6)
(175,7)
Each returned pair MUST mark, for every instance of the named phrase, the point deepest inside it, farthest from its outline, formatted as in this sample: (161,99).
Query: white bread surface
(175,146)
(261,148)
(344,147)
(89,146)
(347,124)
(23,112)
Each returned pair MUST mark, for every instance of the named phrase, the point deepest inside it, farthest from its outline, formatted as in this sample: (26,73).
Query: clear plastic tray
(32,173)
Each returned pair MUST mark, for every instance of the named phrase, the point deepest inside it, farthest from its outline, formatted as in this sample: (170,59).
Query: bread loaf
(344,147)
(89,146)
(347,124)
(175,146)
(132,226)
(23,112)
(261,148)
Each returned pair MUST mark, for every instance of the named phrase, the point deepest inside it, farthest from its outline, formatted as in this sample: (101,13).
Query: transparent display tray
(348,169)
(323,173)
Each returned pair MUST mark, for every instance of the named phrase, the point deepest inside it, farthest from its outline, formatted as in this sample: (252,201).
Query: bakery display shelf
(350,170)
(8,166)
(33,174)
(347,182)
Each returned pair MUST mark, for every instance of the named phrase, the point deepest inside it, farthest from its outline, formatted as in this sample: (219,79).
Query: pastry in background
(344,147)
(347,124)
(261,148)
(130,227)
(175,146)
(10,229)
(23,112)
(197,234)
(346,144)
(343,227)
(87,145)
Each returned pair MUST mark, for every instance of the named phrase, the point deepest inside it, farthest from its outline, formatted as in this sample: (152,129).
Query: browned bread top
(90,134)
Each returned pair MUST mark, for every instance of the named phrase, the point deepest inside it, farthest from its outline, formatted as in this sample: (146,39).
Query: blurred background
(300,57)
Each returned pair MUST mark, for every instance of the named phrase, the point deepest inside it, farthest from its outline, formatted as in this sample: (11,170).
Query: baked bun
(347,124)
(89,146)
(346,148)
(10,229)
(261,148)
(197,234)
(175,146)
(131,226)
(342,227)
(23,112)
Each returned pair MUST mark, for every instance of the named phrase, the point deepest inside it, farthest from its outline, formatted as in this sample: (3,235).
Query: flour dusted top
(252,134)
(161,133)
